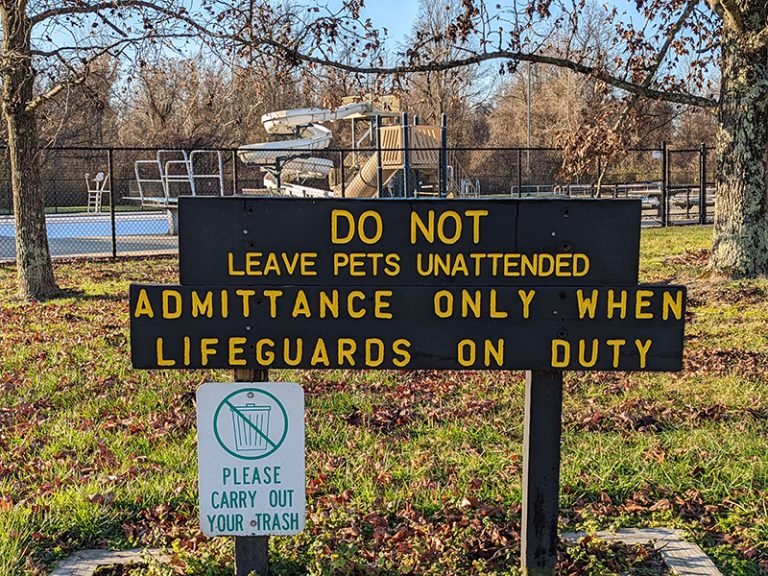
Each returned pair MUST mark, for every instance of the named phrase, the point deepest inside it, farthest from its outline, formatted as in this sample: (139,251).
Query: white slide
(304,123)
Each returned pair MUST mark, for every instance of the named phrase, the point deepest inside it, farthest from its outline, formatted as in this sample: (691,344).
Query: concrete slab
(86,562)
(682,557)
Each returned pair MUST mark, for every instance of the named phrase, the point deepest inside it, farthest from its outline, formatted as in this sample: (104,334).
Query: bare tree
(55,44)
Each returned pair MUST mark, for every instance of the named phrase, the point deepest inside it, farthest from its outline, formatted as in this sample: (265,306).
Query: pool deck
(99,246)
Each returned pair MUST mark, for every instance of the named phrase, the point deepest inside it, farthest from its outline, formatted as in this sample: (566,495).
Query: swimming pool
(96,225)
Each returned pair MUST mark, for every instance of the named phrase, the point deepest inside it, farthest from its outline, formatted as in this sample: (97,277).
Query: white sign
(250,449)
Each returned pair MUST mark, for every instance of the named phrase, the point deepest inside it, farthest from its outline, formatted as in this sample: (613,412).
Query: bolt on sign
(250,442)
(411,284)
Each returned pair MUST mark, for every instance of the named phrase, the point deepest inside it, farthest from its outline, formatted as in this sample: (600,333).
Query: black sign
(324,242)
(573,328)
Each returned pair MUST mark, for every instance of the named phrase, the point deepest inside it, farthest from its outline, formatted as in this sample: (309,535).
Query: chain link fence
(122,201)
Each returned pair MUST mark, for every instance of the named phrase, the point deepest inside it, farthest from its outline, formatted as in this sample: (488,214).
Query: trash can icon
(250,424)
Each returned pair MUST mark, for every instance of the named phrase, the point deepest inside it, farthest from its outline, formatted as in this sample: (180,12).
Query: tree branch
(41,99)
(660,56)
(758,40)
(729,12)
(626,85)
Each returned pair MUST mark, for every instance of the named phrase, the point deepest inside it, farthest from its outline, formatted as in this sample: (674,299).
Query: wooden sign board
(410,327)
(324,242)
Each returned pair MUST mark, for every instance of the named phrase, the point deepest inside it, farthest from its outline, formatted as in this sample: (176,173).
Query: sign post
(251,465)
(541,472)
(251,552)
(535,285)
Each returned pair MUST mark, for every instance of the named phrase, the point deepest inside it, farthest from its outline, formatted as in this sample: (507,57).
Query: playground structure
(389,146)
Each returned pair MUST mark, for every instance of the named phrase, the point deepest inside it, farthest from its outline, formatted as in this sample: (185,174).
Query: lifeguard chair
(97,187)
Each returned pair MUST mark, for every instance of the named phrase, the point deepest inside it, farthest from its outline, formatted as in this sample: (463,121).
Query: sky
(397,16)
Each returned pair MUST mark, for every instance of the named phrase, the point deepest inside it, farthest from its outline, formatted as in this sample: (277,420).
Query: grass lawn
(408,472)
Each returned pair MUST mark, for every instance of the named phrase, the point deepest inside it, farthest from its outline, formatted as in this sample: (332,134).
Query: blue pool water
(97,225)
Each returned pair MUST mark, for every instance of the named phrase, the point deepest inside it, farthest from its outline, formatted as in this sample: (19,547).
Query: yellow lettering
(583,362)
(206,349)
(320,355)
(400,347)
(444,238)
(526,297)
(169,314)
(674,302)
(202,307)
(587,305)
(224,304)
(642,302)
(466,352)
(235,348)
(370,361)
(495,313)
(265,357)
(246,297)
(616,344)
(355,295)
(346,348)
(428,231)
(252,263)
(287,351)
(231,266)
(392,262)
(475,215)
(561,353)
(379,227)
(340,260)
(301,305)
(143,307)
(336,238)
(329,304)
(549,260)
(620,305)
(273,295)
(643,350)
(380,304)
(307,263)
(497,352)
(443,302)
(584,269)
(468,302)
(160,360)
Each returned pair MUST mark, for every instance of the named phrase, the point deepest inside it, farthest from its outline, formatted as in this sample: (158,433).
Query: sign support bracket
(251,552)
(541,471)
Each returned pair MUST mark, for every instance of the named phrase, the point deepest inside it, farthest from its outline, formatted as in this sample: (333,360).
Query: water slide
(365,182)
(281,155)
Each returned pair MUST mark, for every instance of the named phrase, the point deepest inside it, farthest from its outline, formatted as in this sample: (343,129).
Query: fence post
(379,168)
(703,184)
(112,196)
(664,183)
(278,174)
(342,175)
(519,173)
(235,174)
(406,159)
(444,154)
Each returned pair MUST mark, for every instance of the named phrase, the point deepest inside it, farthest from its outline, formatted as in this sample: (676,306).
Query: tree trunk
(741,217)
(34,269)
